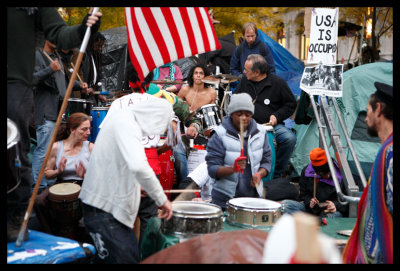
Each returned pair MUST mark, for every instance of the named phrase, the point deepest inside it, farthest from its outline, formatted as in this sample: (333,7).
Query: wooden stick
(51,60)
(168,82)
(22,230)
(182,191)
(241,135)
(315,186)
(80,79)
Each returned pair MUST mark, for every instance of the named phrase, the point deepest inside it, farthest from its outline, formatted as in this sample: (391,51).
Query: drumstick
(241,136)
(80,79)
(182,191)
(168,82)
(51,60)
(315,185)
(28,212)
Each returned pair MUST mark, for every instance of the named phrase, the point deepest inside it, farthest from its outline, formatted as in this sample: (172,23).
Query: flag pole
(28,212)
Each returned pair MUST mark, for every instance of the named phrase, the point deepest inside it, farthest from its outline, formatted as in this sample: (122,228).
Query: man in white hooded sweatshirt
(117,169)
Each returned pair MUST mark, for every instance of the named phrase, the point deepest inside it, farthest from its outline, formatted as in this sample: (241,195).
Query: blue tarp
(288,67)
(42,248)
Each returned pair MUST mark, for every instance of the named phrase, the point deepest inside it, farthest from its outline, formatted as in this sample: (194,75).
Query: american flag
(159,35)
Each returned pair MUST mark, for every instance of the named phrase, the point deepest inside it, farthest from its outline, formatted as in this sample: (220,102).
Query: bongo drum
(13,161)
(191,218)
(65,208)
(248,212)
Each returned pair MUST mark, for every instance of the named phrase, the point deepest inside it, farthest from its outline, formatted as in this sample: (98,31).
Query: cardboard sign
(323,36)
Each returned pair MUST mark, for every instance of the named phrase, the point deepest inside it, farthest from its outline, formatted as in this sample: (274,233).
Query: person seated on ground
(68,161)
(171,72)
(325,189)
(225,158)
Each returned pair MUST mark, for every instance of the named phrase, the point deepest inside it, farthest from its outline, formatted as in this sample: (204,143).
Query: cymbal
(210,80)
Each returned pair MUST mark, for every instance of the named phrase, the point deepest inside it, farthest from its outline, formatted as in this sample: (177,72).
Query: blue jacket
(224,147)
(237,62)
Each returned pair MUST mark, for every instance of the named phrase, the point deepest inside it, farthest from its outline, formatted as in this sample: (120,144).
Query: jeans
(115,243)
(180,164)
(292,206)
(286,141)
(43,135)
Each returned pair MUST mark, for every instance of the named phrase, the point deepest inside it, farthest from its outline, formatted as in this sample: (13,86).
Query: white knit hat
(241,101)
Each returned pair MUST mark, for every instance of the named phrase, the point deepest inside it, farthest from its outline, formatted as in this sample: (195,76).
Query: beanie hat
(241,101)
(318,160)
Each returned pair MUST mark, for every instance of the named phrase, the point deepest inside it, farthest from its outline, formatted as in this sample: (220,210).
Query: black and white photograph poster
(323,80)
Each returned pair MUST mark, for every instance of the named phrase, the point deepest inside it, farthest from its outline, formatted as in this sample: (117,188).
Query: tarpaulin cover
(42,248)
(241,247)
(288,67)
(358,85)
(114,59)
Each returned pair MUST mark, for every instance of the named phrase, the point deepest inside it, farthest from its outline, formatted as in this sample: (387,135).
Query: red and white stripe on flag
(159,35)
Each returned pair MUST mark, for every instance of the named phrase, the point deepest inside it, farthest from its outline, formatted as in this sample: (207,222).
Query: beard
(371,130)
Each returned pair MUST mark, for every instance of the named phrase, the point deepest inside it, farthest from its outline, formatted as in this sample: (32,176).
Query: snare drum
(252,212)
(14,163)
(77,105)
(98,115)
(209,116)
(191,218)
(272,144)
(65,208)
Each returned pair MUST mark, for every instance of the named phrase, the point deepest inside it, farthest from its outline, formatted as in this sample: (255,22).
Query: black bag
(281,189)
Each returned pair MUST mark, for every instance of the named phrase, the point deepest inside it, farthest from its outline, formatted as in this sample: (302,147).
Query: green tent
(358,85)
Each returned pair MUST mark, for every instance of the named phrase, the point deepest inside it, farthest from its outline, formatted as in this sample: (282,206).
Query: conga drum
(98,115)
(65,208)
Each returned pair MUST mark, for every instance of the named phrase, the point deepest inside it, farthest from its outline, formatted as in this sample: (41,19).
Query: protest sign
(323,36)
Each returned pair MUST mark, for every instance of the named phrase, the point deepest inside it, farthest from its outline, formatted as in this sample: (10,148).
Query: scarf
(373,214)
(310,173)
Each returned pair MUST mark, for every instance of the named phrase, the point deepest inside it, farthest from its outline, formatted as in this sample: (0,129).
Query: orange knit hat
(318,157)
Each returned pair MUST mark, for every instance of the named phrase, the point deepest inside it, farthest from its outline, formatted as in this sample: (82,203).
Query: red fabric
(152,158)
(171,33)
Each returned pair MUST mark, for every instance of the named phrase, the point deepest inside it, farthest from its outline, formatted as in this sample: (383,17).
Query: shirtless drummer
(195,93)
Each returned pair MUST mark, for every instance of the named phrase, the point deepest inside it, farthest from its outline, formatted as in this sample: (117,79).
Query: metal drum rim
(14,135)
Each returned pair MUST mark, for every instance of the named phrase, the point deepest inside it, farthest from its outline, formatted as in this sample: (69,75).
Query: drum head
(64,191)
(268,128)
(12,134)
(254,203)
(100,108)
(195,208)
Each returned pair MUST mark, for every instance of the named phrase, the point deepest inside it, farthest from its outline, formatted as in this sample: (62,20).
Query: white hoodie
(118,165)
